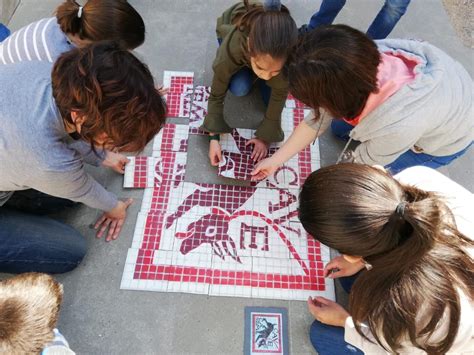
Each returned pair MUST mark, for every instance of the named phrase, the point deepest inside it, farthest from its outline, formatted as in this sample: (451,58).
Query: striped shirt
(39,41)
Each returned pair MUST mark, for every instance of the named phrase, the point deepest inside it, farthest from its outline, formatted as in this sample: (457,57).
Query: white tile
(230,291)
(188,287)
(128,176)
(146,199)
(139,230)
(196,258)
(229,264)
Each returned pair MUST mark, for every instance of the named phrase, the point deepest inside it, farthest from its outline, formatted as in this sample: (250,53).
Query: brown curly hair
(113,91)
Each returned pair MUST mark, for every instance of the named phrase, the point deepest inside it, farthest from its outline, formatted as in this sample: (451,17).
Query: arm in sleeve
(321,124)
(385,149)
(214,120)
(224,67)
(76,185)
(352,337)
(88,155)
(270,129)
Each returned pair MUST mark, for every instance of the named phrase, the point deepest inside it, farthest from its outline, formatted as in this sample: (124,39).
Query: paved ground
(98,318)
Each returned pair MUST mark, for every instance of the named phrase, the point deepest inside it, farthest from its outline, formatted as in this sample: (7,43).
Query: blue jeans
(329,340)
(4,32)
(32,242)
(242,81)
(380,28)
(408,159)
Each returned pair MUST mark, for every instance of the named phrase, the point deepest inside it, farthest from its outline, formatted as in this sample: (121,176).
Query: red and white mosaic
(178,98)
(237,164)
(172,137)
(142,172)
(219,239)
(199,108)
(224,240)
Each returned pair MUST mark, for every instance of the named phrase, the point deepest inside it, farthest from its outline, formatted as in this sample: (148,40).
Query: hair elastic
(272,5)
(79,12)
(400,210)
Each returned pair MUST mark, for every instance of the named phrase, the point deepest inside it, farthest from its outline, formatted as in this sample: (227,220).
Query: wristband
(214,137)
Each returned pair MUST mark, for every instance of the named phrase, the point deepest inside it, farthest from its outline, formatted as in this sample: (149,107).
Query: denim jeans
(408,159)
(380,28)
(241,83)
(4,32)
(30,241)
(329,340)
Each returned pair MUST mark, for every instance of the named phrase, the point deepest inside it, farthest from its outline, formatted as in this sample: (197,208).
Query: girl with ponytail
(408,240)
(75,25)
(255,41)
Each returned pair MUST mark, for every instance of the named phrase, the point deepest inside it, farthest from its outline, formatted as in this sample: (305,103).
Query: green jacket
(230,59)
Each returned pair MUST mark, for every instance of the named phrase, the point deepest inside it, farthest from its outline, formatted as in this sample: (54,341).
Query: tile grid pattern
(219,239)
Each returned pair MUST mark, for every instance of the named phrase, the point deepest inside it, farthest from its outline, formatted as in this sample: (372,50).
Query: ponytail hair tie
(272,5)
(400,210)
(79,12)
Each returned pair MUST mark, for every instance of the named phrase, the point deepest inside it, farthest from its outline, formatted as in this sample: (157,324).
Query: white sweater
(461,203)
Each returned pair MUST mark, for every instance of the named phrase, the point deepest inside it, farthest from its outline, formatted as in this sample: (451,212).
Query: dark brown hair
(334,67)
(113,91)
(114,20)
(418,256)
(271,31)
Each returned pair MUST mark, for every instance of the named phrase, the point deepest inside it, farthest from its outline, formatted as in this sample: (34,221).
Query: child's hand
(215,153)
(260,149)
(327,312)
(263,169)
(340,267)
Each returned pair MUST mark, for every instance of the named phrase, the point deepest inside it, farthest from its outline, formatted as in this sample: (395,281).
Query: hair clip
(400,210)
(79,12)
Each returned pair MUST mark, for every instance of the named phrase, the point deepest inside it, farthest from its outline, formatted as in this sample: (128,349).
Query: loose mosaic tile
(178,98)
(235,142)
(142,172)
(172,137)
(236,166)
(199,105)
